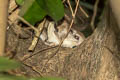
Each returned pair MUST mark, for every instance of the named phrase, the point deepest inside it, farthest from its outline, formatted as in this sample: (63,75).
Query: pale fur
(54,37)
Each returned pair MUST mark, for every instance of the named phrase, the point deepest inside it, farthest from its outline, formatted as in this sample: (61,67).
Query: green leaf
(47,78)
(11,77)
(35,10)
(32,12)
(20,2)
(54,8)
(6,64)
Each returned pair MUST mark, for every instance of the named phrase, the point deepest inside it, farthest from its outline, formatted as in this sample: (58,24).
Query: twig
(63,1)
(14,9)
(83,11)
(35,40)
(94,15)
(24,59)
(33,68)
(70,7)
(24,21)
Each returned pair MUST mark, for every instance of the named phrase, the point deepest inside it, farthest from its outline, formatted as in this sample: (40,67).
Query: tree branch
(3,24)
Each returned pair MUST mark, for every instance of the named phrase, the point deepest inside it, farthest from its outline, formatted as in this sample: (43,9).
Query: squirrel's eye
(76,37)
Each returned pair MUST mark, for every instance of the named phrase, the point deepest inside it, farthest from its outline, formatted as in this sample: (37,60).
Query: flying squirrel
(52,35)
